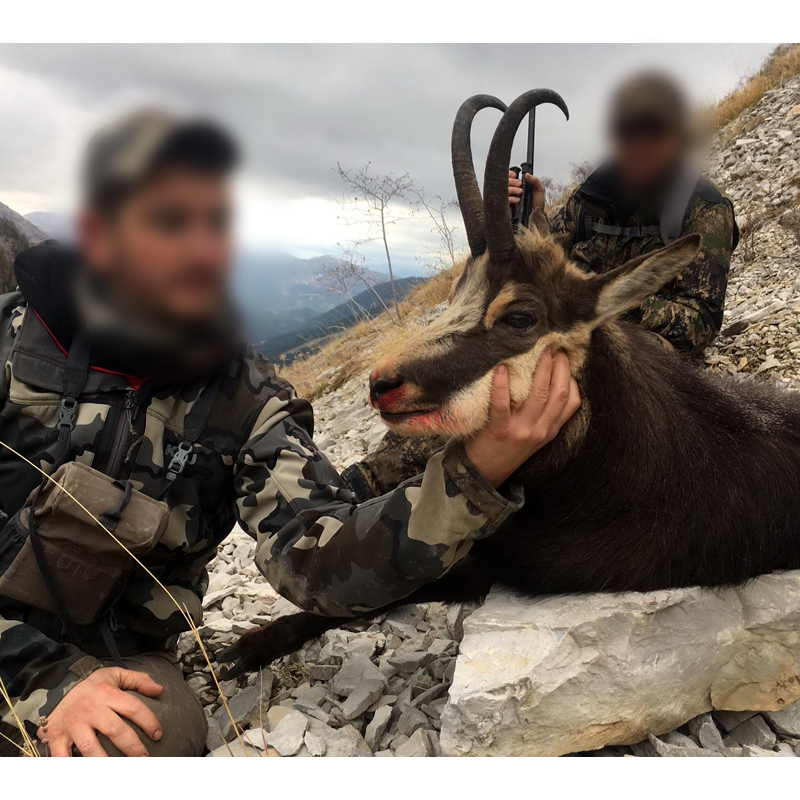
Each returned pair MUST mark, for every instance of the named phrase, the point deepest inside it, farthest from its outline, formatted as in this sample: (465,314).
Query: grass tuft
(781,64)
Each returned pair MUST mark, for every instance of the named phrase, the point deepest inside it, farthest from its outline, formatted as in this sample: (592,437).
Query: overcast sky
(300,109)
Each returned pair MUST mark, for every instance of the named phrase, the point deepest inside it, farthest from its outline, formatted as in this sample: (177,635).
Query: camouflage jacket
(688,311)
(256,464)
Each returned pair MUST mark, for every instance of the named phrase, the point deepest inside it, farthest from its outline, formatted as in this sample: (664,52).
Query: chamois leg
(262,646)
(259,647)
(467,581)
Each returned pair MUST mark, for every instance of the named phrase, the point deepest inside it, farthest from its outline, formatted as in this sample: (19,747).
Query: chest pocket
(601,246)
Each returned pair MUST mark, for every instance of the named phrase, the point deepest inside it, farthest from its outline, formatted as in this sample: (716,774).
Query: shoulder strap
(75,374)
(629,232)
(582,215)
(193,425)
(676,203)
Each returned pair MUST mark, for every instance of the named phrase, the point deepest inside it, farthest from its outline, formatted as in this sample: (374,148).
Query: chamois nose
(381,386)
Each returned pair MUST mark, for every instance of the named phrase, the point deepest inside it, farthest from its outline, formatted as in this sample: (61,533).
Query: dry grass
(357,349)
(783,63)
(28,746)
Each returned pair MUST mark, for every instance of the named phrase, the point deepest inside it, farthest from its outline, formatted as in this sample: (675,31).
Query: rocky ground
(379,689)
(756,161)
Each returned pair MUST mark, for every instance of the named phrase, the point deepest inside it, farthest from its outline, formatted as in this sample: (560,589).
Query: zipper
(123,436)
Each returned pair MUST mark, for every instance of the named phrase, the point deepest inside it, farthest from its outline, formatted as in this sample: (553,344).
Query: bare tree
(557,192)
(578,173)
(374,199)
(438,210)
(348,270)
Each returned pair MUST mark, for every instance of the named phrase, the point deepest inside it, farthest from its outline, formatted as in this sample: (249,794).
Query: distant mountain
(279,293)
(16,234)
(54,224)
(310,336)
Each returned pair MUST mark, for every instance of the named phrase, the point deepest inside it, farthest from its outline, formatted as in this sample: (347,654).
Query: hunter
(126,379)
(644,196)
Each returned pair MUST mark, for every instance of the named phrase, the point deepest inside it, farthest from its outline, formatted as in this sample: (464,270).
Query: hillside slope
(314,332)
(54,224)
(16,234)
(756,160)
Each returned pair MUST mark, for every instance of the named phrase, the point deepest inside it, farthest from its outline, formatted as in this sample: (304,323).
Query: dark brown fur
(682,478)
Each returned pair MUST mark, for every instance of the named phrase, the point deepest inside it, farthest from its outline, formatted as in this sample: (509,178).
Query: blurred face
(644,157)
(168,248)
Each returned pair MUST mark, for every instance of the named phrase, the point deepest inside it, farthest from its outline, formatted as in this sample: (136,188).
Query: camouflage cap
(649,100)
(129,149)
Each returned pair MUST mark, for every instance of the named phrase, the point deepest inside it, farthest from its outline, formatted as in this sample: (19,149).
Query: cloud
(300,109)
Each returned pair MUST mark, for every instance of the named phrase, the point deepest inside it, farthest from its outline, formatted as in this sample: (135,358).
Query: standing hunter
(125,378)
(646,195)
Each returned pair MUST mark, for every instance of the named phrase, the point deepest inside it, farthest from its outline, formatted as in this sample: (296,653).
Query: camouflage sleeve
(564,225)
(36,672)
(12,310)
(397,459)
(688,312)
(322,550)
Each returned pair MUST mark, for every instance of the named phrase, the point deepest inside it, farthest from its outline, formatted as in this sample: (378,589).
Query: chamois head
(516,295)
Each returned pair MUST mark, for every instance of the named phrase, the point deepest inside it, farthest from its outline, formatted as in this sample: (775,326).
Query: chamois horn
(499,233)
(467,189)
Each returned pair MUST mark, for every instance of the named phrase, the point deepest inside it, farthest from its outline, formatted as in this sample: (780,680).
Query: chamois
(668,475)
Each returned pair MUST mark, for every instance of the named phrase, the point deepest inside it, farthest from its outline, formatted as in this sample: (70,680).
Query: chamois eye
(519,321)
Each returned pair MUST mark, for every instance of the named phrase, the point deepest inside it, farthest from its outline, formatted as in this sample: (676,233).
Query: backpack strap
(588,226)
(583,213)
(194,424)
(677,200)
(629,232)
(75,374)
(673,212)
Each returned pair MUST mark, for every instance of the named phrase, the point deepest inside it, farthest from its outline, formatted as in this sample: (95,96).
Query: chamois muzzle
(383,389)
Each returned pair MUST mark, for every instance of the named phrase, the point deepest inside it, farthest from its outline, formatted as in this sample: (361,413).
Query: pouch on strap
(63,561)
(75,374)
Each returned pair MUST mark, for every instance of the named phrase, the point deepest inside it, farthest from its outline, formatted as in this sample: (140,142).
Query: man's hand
(515,190)
(511,437)
(98,704)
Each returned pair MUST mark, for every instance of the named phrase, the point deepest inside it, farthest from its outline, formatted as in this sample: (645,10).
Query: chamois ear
(538,222)
(628,285)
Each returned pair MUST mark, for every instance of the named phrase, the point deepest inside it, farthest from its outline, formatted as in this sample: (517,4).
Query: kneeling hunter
(126,380)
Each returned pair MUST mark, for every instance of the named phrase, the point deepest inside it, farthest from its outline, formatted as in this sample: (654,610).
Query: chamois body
(676,477)
(682,478)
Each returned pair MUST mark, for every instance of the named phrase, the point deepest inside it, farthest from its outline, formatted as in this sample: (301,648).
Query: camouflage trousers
(178,709)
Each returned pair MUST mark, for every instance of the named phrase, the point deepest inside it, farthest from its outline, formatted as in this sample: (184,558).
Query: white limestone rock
(565,674)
